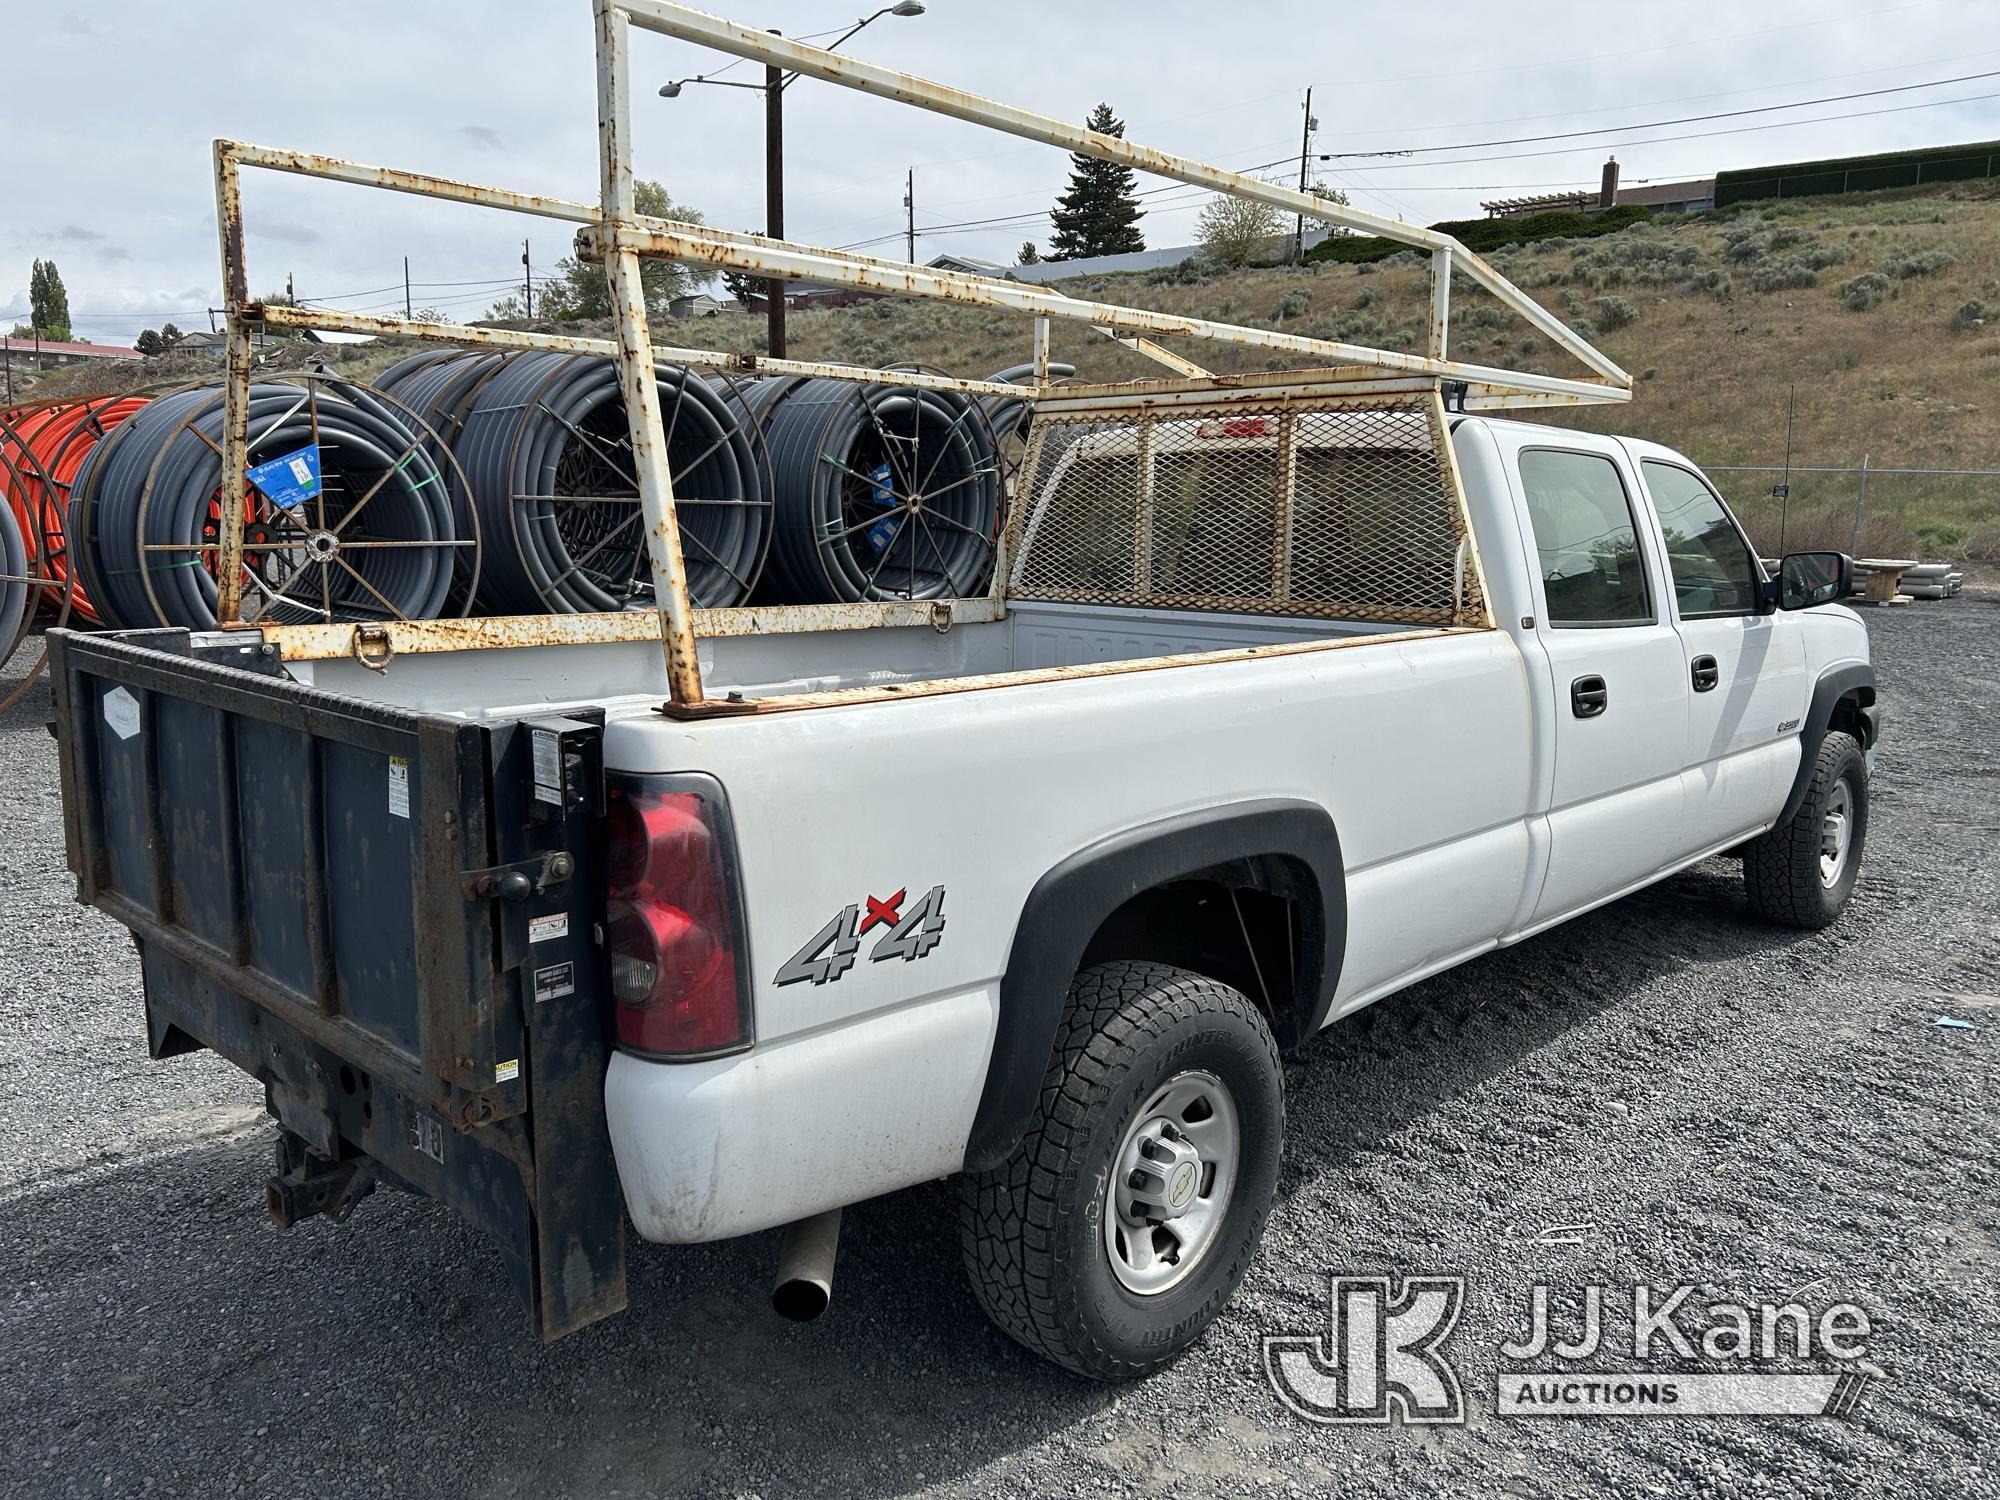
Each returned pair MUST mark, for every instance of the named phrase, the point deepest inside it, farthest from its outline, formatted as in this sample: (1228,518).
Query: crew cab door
(1618,674)
(1746,670)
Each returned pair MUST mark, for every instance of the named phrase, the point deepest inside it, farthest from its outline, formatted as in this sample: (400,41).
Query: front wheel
(1801,873)
(1128,1214)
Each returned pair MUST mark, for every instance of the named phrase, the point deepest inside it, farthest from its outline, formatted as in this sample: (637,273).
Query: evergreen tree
(48,303)
(148,343)
(1100,213)
(169,336)
(1029,255)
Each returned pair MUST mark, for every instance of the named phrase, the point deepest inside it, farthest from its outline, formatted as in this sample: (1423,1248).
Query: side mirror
(1806,579)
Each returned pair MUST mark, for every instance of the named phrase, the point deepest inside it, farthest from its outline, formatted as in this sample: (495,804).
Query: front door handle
(1588,697)
(1706,673)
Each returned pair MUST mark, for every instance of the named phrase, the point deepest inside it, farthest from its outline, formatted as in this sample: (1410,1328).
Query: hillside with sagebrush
(1883,311)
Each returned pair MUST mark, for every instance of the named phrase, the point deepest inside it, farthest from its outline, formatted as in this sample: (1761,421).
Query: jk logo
(1380,1355)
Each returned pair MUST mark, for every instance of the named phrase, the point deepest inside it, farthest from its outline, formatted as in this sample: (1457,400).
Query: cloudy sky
(104,162)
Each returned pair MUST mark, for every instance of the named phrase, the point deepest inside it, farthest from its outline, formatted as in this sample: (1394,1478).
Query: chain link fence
(1940,515)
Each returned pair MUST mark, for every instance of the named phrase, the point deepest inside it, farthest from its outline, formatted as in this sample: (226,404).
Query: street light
(773,89)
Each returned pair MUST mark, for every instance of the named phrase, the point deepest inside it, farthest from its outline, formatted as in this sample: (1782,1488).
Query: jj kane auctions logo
(1384,1355)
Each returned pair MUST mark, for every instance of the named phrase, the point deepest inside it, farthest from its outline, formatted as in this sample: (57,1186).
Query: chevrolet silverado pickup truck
(1275,710)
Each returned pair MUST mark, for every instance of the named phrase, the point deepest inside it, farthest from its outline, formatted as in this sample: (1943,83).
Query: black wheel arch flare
(1856,681)
(1070,902)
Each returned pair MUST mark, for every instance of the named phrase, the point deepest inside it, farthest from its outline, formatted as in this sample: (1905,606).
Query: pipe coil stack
(546,454)
(30,537)
(499,483)
(883,492)
(48,445)
(377,542)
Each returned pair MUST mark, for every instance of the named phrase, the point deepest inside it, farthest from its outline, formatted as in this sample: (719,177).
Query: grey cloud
(75,234)
(485,138)
(287,233)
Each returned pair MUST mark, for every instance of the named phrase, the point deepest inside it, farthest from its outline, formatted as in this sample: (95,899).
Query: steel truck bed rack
(613,232)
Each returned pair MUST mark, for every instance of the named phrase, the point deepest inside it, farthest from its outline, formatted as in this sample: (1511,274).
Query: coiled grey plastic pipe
(547,455)
(156,471)
(882,491)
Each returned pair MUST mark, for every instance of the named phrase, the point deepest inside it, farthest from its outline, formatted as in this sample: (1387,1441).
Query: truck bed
(622,677)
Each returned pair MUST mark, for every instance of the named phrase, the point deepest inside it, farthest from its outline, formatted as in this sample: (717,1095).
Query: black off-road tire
(1781,869)
(1032,1229)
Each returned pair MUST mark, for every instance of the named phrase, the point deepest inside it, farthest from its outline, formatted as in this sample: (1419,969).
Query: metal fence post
(635,358)
(1860,507)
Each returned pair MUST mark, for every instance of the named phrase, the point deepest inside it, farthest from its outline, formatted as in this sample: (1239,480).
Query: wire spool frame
(377,542)
(546,444)
(1349,510)
(30,538)
(884,492)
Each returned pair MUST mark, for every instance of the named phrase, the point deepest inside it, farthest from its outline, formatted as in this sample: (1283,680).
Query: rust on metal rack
(393,638)
(897,692)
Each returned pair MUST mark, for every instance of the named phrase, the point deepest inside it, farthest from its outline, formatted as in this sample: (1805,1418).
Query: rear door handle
(1588,697)
(1706,673)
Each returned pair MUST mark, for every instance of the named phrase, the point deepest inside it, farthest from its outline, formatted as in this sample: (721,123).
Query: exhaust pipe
(805,1267)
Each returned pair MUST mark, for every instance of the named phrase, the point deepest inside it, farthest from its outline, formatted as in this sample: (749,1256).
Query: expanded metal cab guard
(1323,492)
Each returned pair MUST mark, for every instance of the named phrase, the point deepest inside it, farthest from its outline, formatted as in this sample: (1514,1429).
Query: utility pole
(1305,148)
(527,282)
(408,316)
(290,295)
(910,216)
(774,200)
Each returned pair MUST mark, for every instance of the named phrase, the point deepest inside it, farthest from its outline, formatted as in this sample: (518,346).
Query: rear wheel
(1129,1212)
(1802,872)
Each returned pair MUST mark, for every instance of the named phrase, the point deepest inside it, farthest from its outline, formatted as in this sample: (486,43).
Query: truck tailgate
(386,916)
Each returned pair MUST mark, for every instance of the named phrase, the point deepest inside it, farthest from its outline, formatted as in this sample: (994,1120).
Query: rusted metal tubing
(635,362)
(336,169)
(871,78)
(698,244)
(705,359)
(509,632)
(805,1267)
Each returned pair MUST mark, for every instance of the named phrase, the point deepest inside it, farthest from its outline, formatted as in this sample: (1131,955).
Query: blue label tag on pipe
(289,480)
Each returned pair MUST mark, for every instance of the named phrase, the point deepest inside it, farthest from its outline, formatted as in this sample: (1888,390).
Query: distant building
(43,354)
(967,265)
(1045,271)
(702,305)
(1696,195)
(215,346)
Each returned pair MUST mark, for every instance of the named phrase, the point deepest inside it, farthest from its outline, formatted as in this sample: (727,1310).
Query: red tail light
(679,972)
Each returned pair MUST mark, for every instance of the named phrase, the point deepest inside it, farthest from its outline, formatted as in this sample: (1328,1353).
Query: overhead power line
(1726,114)
(1694,135)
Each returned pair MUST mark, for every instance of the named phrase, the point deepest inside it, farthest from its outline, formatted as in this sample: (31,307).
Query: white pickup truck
(1034,891)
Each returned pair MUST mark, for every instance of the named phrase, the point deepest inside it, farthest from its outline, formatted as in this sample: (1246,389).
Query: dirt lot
(1709,1101)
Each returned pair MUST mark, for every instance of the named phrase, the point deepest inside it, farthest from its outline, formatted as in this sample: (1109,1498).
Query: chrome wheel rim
(1171,1182)
(1836,834)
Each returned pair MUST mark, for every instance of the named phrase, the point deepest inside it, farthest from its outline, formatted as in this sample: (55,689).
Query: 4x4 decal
(831,951)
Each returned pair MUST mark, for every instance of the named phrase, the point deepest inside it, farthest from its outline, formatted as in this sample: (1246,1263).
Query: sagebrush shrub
(1904,263)
(1864,292)
(1607,313)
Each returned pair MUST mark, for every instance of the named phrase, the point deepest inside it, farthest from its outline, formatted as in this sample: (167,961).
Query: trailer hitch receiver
(308,1184)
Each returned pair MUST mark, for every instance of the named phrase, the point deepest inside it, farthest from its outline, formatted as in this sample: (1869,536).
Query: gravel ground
(1712,1101)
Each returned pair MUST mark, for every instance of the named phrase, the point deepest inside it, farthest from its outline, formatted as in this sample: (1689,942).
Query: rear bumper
(707,1150)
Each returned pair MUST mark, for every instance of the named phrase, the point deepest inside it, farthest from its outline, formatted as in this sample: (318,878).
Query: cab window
(1585,538)
(1715,572)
